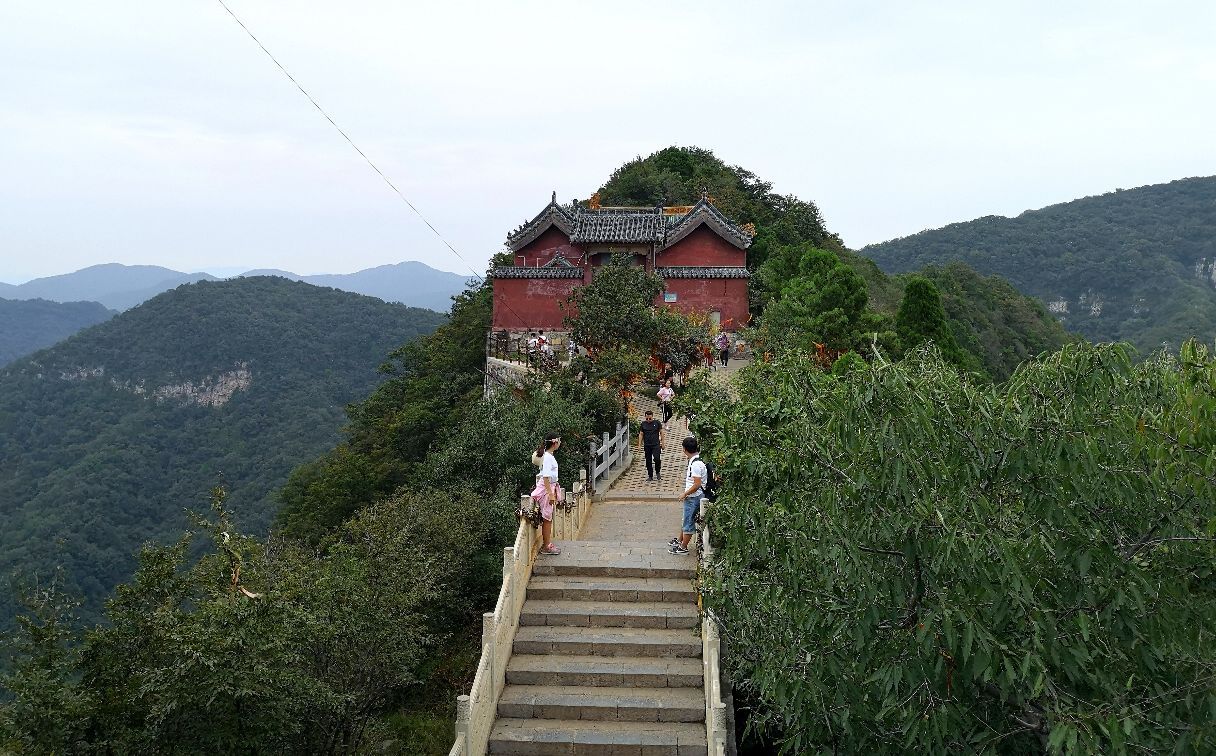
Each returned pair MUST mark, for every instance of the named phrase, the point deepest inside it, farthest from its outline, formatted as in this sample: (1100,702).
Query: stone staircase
(607,656)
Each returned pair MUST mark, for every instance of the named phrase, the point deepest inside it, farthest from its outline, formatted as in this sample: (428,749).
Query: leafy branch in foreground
(912,562)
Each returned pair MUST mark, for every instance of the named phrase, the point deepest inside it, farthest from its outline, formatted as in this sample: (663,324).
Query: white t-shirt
(548,467)
(696,469)
(666,394)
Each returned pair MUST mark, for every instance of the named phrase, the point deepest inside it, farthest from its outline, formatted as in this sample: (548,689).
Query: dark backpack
(709,486)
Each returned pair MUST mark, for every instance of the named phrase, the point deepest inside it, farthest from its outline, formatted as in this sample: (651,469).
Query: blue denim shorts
(692,505)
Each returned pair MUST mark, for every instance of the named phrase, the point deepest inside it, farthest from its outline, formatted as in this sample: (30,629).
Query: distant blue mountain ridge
(121,287)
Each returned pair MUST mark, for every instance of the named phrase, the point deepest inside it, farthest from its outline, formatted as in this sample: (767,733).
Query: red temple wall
(726,295)
(702,248)
(535,300)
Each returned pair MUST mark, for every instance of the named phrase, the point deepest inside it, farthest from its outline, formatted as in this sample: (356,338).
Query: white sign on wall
(669,296)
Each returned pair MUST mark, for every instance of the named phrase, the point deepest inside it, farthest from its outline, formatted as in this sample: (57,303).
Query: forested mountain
(990,320)
(29,325)
(107,437)
(1137,265)
(120,287)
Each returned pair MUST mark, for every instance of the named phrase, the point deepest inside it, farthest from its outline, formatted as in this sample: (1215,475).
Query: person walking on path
(666,394)
(546,491)
(723,344)
(651,439)
(693,491)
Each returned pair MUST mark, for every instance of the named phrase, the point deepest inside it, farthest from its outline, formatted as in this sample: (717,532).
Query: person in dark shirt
(651,439)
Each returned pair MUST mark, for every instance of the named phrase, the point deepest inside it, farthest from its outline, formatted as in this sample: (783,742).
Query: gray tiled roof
(553,215)
(627,225)
(624,226)
(690,271)
(510,271)
(705,213)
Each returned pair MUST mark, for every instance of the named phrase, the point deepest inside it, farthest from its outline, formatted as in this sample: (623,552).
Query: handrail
(711,656)
(475,712)
(609,454)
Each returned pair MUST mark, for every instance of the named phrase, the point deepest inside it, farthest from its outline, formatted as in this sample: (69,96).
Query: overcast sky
(155,131)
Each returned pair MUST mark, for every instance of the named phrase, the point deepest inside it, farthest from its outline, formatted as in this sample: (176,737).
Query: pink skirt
(541,497)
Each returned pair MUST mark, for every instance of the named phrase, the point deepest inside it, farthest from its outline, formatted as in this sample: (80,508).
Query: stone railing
(609,456)
(711,657)
(476,711)
(512,346)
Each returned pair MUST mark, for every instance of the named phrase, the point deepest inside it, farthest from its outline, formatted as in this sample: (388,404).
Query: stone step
(633,589)
(624,641)
(636,495)
(604,671)
(602,704)
(591,559)
(545,737)
(667,615)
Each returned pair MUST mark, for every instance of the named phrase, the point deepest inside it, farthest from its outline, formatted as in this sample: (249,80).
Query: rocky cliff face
(209,391)
(1205,270)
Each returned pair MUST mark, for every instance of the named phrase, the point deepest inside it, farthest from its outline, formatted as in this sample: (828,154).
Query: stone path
(607,658)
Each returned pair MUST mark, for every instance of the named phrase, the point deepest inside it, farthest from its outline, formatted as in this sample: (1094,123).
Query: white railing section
(611,454)
(711,658)
(476,711)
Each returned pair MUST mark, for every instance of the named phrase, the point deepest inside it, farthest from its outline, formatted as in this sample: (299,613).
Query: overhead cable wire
(362,154)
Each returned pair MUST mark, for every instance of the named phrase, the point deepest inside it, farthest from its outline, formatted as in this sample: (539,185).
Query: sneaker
(677,549)
(674,541)
(649,478)
(553,550)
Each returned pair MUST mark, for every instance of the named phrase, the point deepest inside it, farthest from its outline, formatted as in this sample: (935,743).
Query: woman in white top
(666,394)
(545,492)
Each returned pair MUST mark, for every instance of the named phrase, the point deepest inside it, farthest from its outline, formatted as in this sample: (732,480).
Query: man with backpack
(694,490)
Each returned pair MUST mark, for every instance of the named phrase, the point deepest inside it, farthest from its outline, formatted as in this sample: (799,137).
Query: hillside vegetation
(29,325)
(910,562)
(1135,265)
(107,437)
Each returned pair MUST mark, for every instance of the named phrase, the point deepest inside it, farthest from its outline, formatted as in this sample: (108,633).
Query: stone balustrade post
(488,627)
(463,707)
(717,746)
(508,575)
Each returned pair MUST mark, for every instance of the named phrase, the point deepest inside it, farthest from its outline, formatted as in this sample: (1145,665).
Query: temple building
(700,253)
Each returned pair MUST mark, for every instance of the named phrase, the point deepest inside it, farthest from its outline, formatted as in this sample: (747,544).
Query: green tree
(257,647)
(824,303)
(922,318)
(616,309)
(909,561)
(45,711)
